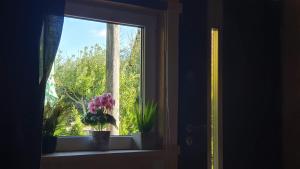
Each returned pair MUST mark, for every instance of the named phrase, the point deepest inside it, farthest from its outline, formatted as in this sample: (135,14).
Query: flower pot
(145,141)
(49,144)
(101,140)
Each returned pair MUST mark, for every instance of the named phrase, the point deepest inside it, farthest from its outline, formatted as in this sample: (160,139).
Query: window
(159,82)
(141,75)
(96,57)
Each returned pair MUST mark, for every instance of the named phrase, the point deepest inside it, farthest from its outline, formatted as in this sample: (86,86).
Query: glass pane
(95,58)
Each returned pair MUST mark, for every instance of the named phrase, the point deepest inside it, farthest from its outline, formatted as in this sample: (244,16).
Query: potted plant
(50,121)
(98,118)
(145,119)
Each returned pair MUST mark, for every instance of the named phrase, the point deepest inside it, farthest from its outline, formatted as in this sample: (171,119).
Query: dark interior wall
(291,83)
(251,84)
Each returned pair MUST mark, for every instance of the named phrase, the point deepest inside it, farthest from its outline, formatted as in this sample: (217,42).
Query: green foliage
(99,119)
(130,78)
(145,118)
(81,77)
(70,123)
(78,78)
(50,118)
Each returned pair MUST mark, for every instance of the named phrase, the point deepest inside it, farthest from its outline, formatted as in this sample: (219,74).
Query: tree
(81,77)
(130,80)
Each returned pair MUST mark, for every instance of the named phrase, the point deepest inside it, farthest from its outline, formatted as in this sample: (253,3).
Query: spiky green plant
(145,117)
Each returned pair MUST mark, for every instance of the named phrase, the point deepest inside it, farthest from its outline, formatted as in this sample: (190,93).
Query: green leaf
(145,120)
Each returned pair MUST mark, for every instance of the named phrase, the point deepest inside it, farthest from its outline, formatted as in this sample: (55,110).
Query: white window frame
(104,11)
(160,65)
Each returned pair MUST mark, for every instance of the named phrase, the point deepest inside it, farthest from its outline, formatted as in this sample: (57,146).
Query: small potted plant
(50,121)
(145,119)
(98,118)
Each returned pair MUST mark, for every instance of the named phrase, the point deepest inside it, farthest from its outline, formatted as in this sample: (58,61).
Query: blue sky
(78,33)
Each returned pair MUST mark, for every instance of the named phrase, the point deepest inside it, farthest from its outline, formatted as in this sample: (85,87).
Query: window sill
(100,153)
(84,143)
(115,159)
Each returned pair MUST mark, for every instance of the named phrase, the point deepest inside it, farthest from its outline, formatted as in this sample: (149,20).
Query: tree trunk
(113,69)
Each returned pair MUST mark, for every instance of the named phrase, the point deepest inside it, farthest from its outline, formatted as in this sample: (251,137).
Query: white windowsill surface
(99,153)
(85,143)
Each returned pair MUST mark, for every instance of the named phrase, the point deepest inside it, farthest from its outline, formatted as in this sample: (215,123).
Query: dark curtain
(49,41)
(20,91)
